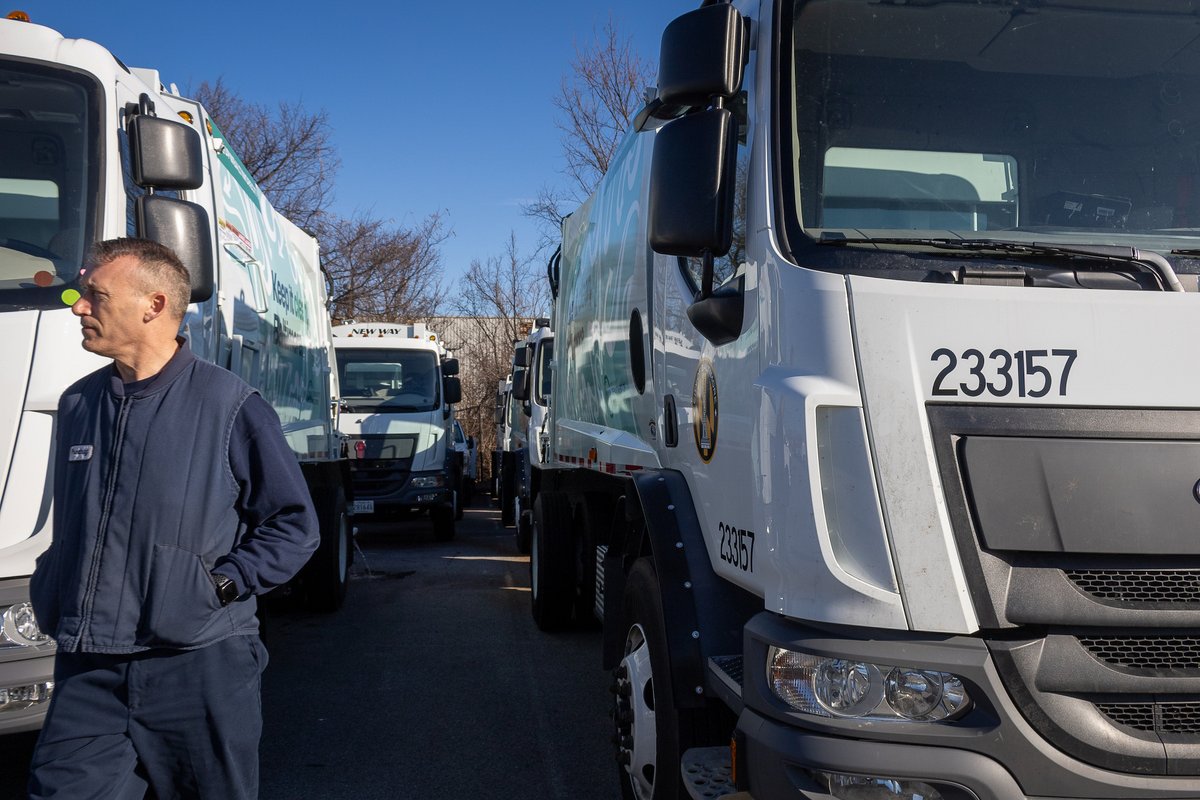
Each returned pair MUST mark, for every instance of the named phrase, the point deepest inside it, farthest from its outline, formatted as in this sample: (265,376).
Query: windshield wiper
(1146,260)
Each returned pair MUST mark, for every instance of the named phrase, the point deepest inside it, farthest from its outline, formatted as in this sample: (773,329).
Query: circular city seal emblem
(705,411)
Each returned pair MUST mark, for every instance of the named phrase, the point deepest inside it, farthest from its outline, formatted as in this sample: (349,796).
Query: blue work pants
(171,724)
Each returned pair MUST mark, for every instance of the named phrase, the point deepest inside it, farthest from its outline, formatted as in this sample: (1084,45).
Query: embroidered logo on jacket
(80,452)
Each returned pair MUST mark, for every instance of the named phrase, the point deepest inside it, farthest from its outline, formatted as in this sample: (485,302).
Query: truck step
(725,678)
(706,772)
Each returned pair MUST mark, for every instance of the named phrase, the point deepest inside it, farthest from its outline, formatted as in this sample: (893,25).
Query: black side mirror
(452,389)
(450,366)
(520,383)
(521,356)
(165,154)
(470,442)
(692,178)
(703,55)
(183,227)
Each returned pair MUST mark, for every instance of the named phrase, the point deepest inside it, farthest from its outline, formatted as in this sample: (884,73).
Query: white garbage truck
(531,436)
(91,149)
(876,439)
(399,385)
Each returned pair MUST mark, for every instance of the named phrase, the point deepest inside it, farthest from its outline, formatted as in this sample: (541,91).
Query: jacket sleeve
(281,529)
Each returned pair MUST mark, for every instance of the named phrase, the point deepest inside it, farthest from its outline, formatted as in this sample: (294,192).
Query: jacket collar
(182,359)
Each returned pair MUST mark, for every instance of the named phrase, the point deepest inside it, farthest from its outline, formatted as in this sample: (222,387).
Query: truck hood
(429,453)
(1043,396)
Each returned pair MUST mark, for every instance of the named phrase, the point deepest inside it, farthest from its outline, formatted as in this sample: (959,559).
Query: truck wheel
(551,571)
(651,734)
(524,531)
(508,496)
(443,522)
(458,502)
(327,574)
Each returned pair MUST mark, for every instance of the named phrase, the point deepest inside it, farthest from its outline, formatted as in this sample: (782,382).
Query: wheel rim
(635,718)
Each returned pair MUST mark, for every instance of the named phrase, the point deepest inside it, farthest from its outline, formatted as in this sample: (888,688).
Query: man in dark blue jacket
(176,501)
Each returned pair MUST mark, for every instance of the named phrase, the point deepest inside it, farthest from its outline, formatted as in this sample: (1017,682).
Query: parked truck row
(872,442)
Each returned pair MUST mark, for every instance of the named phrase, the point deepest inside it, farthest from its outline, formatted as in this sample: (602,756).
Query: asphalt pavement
(431,682)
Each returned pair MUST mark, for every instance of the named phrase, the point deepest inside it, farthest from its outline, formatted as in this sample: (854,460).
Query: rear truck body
(93,150)
(468,455)
(875,436)
(398,387)
(503,397)
(530,442)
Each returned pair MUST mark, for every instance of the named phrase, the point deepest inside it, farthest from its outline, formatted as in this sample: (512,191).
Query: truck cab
(877,446)
(531,436)
(398,390)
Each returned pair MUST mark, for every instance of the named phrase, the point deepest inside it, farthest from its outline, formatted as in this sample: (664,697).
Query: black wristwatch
(227,590)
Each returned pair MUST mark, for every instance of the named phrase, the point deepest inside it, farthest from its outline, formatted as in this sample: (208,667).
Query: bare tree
(381,272)
(498,298)
(288,151)
(597,102)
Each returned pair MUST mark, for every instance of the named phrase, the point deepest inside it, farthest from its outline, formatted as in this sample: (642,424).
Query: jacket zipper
(89,596)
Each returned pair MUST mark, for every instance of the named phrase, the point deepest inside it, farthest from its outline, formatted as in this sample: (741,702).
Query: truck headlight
(427,481)
(870,787)
(19,627)
(839,687)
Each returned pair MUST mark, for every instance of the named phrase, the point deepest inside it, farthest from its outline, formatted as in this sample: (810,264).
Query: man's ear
(157,306)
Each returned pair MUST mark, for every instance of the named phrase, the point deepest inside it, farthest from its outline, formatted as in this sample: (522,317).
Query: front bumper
(991,753)
(393,490)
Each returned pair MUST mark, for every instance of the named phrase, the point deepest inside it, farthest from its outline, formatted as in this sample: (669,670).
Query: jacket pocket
(182,609)
(45,587)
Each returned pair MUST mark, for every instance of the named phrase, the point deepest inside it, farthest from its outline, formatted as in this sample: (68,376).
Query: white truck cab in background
(530,438)
(398,388)
(92,150)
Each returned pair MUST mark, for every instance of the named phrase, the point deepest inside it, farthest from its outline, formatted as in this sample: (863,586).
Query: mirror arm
(706,278)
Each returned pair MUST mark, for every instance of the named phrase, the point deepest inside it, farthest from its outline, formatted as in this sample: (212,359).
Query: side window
(726,267)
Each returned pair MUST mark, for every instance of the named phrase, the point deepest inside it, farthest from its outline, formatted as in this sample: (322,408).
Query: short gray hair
(160,269)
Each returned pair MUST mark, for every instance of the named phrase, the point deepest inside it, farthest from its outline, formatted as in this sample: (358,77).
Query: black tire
(443,522)
(524,535)
(468,485)
(508,494)
(551,567)
(458,502)
(640,683)
(327,574)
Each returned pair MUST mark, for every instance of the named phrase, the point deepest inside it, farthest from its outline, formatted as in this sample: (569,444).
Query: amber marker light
(187,116)
(19,16)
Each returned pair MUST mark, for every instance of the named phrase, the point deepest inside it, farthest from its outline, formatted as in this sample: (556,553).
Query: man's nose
(81,307)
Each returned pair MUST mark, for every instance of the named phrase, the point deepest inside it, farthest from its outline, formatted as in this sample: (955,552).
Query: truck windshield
(49,168)
(388,381)
(1071,122)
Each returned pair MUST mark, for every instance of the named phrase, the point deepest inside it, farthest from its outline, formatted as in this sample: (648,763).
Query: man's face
(112,309)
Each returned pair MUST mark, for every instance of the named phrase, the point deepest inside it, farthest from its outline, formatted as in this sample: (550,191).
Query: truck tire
(524,531)
(327,574)
(651,734)
(508,494)
(551,567)
(443,522)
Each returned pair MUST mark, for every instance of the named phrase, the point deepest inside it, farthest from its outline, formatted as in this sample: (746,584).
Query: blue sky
(435,105)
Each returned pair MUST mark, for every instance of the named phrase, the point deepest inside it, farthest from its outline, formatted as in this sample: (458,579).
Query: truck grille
(1158,718)
(1080,541)
(1129,586)
(1150,654)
